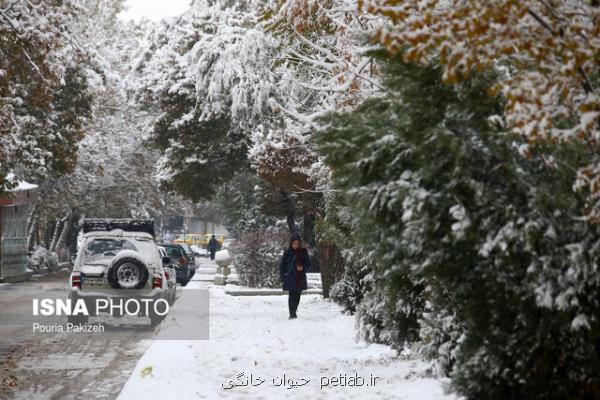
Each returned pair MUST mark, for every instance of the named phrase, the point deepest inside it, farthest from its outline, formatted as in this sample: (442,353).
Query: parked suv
(119,260)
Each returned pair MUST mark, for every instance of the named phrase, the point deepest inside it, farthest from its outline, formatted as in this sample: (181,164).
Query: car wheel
(155,320)
(128,273)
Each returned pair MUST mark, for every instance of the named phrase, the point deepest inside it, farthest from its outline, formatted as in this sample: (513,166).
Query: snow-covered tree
(321,67)
(114,174)
(240,203)
(204,76)
(478,254)
(44,96)
(226,77)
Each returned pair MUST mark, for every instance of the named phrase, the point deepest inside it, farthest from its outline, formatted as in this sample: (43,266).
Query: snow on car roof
(118,233)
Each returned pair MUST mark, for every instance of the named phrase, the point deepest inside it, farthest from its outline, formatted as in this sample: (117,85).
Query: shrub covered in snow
(42,258)
(354,283)
(479,255)
(257,256)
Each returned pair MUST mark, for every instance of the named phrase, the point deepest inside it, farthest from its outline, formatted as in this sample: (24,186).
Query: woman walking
(292,270)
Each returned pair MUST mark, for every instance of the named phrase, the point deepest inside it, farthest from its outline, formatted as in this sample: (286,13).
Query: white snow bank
(21,185)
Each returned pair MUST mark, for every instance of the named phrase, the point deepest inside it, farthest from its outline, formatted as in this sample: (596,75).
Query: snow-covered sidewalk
(252,335)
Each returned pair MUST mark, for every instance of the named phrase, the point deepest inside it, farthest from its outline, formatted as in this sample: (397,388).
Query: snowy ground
(252,335)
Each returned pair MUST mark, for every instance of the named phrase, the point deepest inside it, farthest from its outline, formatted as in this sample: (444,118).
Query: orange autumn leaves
(546,49)
(546,52)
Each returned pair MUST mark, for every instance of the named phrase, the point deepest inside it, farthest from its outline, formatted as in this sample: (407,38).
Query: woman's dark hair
(293,237)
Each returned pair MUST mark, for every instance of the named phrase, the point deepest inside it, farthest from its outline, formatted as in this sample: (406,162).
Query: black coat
(287,269)
(213,245)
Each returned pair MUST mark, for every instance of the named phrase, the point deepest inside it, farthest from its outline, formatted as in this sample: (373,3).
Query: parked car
(185,269)
(118,260)
(170,268)
(190,254)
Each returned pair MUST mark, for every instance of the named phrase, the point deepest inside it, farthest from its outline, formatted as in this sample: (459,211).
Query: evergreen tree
(239,204)
(478,252)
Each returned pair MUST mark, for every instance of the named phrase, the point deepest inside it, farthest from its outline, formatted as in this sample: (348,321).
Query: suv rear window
(102,249)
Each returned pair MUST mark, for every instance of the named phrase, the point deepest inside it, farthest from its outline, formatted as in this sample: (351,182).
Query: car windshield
(173,252)
(99,250)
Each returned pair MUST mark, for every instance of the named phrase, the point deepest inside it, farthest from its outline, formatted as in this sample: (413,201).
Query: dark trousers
(293,301)
(212,254)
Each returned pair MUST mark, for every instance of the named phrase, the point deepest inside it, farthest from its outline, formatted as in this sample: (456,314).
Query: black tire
(185,283)
(128,273)
(156,319)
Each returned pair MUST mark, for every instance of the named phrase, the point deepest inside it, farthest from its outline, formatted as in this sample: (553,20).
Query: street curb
(26,276)
(274,292)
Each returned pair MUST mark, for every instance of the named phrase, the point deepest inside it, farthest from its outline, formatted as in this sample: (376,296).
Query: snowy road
(57,366)
(252,335)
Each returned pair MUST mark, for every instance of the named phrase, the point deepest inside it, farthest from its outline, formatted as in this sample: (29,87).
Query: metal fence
(13,242)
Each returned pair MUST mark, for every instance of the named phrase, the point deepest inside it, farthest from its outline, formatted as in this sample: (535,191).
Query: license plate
(94,281)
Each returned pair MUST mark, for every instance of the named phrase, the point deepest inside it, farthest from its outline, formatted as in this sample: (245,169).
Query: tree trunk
(309,228)
(291,221)
(59,224)
(290,208)
(60,247)
(332,265)
(71,239)
(48,228)
(31,225)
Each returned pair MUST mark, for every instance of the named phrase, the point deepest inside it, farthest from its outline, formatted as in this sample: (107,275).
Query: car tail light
(167,275)
(157,282)
(76,281)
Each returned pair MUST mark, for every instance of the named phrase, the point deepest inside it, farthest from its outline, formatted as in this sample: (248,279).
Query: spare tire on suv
(127,272)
